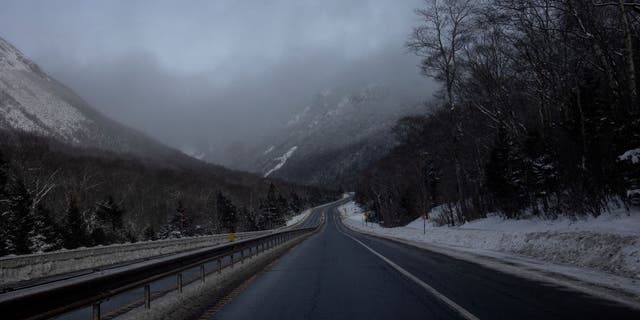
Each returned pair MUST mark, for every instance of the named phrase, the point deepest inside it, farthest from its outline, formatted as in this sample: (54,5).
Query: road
(332,275)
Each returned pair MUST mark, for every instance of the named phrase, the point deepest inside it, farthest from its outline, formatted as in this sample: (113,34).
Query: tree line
(537,113)
(55,196)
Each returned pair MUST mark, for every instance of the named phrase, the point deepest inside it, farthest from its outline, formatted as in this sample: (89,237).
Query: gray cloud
(214,71)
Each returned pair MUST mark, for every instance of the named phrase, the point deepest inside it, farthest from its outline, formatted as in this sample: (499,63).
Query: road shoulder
(609,287)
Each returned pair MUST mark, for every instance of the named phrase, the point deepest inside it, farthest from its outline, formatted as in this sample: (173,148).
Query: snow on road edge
(299,217)
(587,251)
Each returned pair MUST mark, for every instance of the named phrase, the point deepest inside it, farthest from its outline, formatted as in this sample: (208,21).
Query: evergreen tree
(4,216)
(46,234)
(295,203)
(283,205)
(260,219)
(505,175)
(180,224)
(110,213)
(76,229)
(20,218)
(149,234)
(100,237)
(227,213)
(246,220)
(273,208)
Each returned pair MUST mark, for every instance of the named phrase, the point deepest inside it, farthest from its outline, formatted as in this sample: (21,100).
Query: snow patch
(194,153)
(298,117)
(632,155)
(282,160)
(299,217)
(271,147)
(609,243)
(11,58)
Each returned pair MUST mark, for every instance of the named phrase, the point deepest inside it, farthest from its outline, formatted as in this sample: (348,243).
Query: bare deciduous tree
(447,27)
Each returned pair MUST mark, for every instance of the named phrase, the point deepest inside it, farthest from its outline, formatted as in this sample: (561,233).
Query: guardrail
(60,298)
(59,262)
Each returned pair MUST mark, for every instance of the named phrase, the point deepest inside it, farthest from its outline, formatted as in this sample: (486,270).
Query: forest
(53,196)
(537,113)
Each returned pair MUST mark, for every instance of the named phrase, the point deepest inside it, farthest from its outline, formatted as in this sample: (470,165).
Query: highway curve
(332,275)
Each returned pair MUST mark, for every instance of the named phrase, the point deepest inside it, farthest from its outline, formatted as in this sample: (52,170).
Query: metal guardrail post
(179,282)
(202,272)
(219,266)
(147,297)
(95,314)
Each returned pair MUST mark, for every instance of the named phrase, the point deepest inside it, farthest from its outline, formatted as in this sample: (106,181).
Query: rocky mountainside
(33,102)
(335,136)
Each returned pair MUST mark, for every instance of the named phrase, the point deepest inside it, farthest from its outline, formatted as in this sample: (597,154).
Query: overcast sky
(214,70)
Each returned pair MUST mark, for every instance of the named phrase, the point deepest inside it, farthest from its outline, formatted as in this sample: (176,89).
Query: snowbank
(298,218)
(609,243)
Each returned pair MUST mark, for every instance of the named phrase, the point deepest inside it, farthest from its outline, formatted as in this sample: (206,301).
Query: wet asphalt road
(331,276)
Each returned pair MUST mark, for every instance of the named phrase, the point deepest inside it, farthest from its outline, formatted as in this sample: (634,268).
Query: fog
(214,72)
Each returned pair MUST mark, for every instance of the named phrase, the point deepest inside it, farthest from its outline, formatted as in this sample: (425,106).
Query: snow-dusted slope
(335,135)
(27,102)
(33,102)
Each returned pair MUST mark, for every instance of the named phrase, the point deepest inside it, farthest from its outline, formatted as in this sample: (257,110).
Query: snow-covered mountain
(32,101)
(335,136)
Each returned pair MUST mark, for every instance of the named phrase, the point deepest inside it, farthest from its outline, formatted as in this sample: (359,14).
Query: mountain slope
(33,102)
(335,136)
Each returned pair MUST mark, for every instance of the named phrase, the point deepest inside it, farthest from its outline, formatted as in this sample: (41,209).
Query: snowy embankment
(607,244)
(298,218)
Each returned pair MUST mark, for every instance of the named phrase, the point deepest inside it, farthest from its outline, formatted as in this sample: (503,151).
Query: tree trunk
(631,70)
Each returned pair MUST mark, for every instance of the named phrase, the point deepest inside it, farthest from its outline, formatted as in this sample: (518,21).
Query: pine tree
(149,234)
(76,230)
(505,175)
(295,203)
(273,208)
(20,217)
(99,236)
(4,221)
(110,213)
(180,224)
(46,234)
(246,220)
(227,213)
(283,205)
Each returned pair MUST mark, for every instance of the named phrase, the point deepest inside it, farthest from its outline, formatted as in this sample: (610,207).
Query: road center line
(462,311)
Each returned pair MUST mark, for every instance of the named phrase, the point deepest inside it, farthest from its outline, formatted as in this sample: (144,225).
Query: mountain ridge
(335,136)
(33,102)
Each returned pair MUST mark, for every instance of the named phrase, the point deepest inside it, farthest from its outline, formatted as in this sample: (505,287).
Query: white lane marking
(462,311)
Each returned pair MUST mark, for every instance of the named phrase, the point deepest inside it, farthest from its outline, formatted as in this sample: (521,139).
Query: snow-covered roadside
(603,251)
(298,218)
